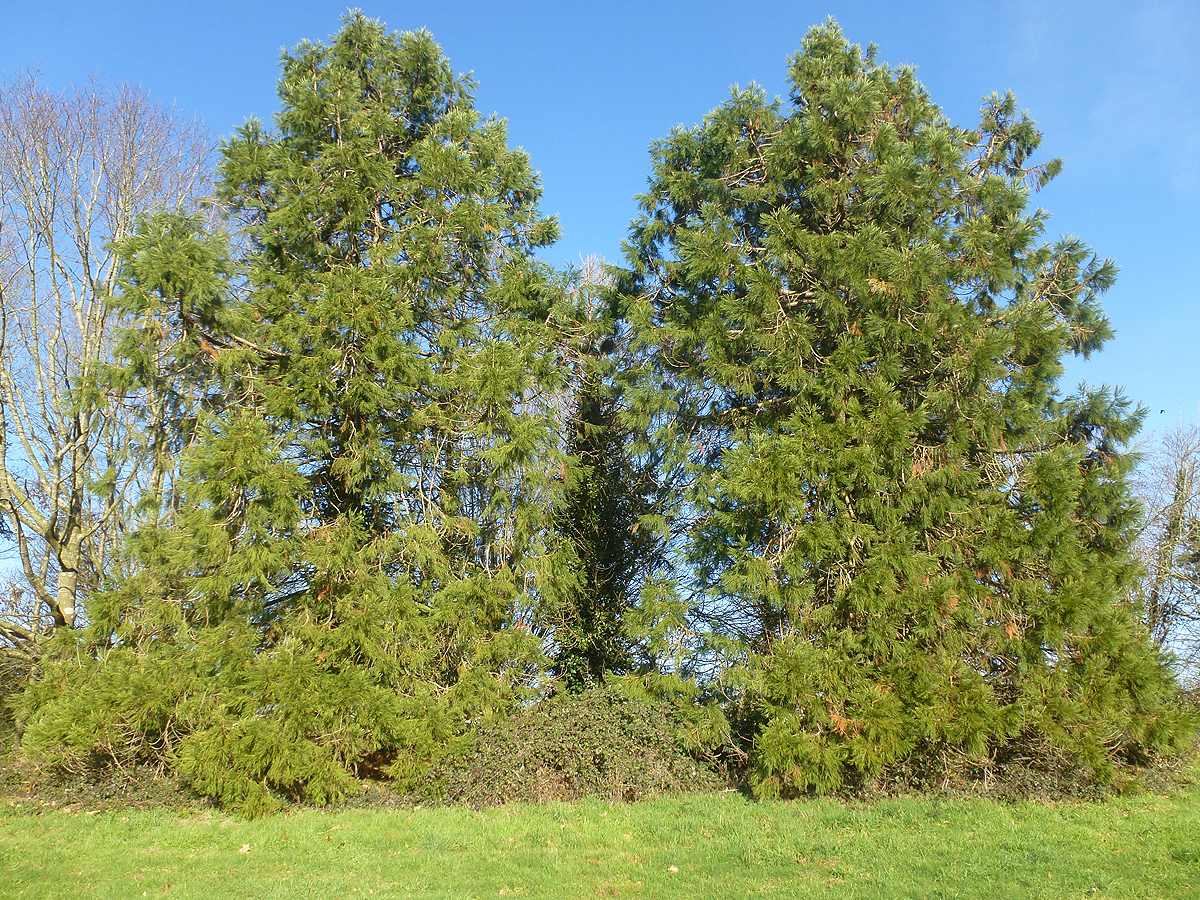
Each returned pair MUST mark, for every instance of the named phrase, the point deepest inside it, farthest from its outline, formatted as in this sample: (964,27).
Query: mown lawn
(703,846)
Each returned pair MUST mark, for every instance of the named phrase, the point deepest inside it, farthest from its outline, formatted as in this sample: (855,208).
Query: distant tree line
(314,466)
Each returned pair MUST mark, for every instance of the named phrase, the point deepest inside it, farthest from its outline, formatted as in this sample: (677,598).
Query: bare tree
(1169,545)
(77,168)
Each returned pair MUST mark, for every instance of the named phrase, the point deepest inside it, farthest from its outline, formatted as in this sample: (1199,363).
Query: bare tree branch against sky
(1115,87)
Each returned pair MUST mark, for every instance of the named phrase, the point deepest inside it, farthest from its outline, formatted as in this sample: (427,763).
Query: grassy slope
(722,846)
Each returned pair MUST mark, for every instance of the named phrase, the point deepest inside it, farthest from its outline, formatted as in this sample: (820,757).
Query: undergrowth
(599,743)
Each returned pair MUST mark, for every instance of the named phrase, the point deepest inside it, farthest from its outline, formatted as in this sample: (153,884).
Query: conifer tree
(599,630)
(916,543)
(362,502)
(612,614)
(599,517)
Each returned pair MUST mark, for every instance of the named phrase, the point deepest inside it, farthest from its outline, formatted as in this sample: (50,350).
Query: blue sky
(586,87)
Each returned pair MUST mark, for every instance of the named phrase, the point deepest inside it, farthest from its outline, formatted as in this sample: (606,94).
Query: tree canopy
(359,531)
(916,541)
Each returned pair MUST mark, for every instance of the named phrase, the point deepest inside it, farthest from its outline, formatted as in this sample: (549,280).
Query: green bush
(597,743)
(14,675)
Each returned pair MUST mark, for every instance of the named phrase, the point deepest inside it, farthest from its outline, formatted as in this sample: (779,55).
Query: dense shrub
(15,674)
(598,743)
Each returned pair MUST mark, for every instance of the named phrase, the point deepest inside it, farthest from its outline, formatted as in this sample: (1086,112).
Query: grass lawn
(702,846)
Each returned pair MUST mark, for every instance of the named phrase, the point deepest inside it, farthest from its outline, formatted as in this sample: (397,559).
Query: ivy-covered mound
(601,742)
(909,541)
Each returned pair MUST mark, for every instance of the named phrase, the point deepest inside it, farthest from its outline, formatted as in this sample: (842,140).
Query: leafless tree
(77,167)
(1169,486)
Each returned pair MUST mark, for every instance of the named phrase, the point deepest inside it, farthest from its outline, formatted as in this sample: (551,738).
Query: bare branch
(77,168)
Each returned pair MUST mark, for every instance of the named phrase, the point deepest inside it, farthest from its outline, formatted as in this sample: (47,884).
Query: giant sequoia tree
(916,541)
(360,515)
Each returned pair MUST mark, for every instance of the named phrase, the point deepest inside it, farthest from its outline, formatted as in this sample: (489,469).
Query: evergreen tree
(621,614)
(363,494)
(914,541)
(602,517)
(599,516)
(173,295)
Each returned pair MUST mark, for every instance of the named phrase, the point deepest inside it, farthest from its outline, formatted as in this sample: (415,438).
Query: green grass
(702,846)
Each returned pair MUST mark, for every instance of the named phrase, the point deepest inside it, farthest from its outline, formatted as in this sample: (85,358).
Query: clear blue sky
(586,87)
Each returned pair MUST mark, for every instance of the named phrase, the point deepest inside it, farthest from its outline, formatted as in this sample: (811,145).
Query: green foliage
(597,629)
(614,610)
(600,742)
(908,534)
(599,516)
(172,293)
(359,514)
(15,674)
(809,457)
